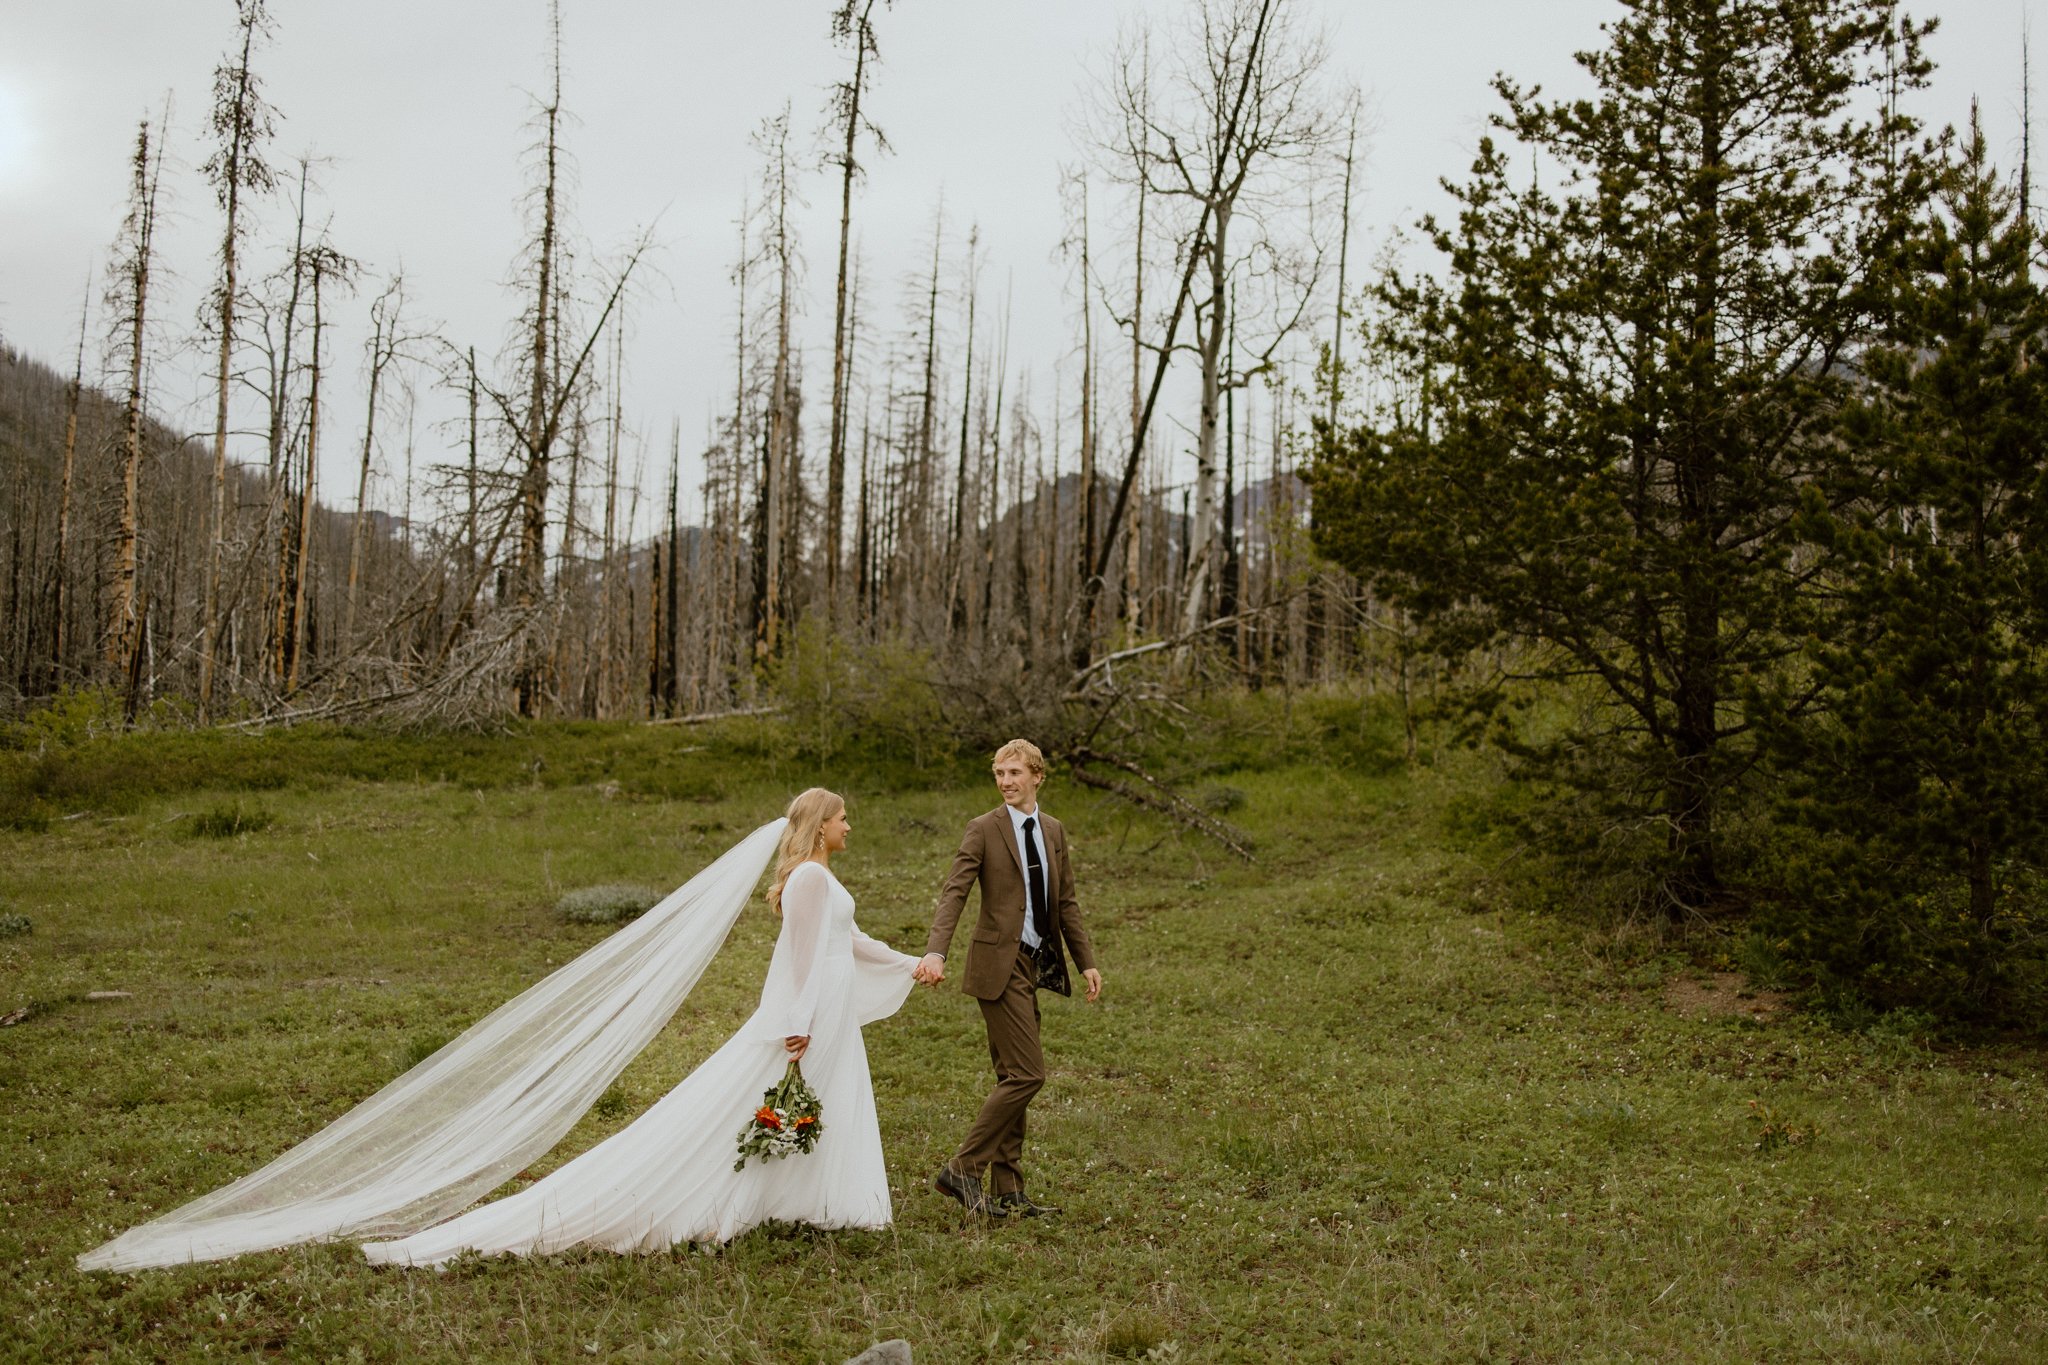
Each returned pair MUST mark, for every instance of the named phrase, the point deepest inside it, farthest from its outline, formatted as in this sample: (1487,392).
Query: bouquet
(789,1121)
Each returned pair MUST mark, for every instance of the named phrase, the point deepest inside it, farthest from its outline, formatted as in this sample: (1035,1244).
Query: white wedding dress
(668,1177)
(462,1122)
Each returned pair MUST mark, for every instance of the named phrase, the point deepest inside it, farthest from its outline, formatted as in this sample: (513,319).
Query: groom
(1018,854)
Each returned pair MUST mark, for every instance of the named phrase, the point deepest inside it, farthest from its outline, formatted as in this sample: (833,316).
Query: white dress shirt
(1017,819)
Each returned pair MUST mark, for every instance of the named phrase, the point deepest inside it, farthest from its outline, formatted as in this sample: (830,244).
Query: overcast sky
(421,108)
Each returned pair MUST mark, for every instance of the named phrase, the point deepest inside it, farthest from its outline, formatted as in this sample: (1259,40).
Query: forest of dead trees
(1713,479)
(1026,524)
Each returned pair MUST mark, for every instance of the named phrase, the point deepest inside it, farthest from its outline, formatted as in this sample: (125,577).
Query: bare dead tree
(241,123)
(18,624)
(1077,244)
(1242,132)
(864,523)
(990,599)
(608,606)
(736,450)
(323,264)
(539,428)
(851,27)
(469,545)
(853,301)
(389,340)
(60,568)
(779,490)
(277,336)
(1241,139)
(129,303)
(533,435)
(1135,458)
(956,531)
(671,631)
(1339,313)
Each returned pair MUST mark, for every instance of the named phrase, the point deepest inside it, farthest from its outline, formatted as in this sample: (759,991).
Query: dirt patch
(1724,994)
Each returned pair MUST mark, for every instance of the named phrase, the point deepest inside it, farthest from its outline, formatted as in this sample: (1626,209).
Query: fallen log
(1157,796)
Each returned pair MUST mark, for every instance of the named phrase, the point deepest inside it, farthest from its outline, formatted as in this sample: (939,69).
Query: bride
(668,1177)
(464,1120)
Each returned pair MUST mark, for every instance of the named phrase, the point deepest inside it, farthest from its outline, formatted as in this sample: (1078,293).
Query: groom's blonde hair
(1025,750)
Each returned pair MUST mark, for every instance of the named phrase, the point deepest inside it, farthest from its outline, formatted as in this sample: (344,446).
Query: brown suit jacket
(989,855)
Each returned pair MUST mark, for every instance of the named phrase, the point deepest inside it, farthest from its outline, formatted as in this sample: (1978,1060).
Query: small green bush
(876,701)
(226,821)
(1139,1336)
(23,811)
(1776,1131)
(13,925)
(1903,1035)
(72,717)
(611,903)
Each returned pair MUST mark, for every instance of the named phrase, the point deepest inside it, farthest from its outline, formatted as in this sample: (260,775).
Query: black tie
(1041,920)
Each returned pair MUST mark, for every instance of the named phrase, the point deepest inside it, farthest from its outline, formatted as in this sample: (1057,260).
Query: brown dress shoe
(965,1188)
(1017,1204)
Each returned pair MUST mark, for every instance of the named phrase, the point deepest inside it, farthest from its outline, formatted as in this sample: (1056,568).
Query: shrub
(1775,1131)
(226,821)
(611,903)
(14,925)
(72,717)
(1139,1335)
(877,700)
(23,810)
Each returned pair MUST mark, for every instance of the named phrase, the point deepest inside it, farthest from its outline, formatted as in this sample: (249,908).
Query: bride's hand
(797,1044)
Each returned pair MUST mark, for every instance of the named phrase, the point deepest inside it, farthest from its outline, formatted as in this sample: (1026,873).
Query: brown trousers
(994,1146)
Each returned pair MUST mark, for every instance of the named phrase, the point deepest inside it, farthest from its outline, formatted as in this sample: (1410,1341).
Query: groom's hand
(1094,980)
(932,970)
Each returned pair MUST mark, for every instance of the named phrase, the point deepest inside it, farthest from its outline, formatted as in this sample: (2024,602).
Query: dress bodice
(822,961)
(838,907)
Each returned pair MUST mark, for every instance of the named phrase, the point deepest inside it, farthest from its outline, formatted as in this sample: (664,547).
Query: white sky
(421,108)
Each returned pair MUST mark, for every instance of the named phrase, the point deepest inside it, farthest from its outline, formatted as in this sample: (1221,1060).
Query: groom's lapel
(1009,829)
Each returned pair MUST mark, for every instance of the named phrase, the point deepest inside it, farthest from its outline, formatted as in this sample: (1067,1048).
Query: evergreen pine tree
(1627,372)
(1922,794)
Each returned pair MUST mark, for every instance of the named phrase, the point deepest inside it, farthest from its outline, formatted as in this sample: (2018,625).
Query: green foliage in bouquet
(789,1122)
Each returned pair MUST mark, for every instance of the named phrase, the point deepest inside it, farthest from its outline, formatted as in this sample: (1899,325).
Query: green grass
(1332,1107)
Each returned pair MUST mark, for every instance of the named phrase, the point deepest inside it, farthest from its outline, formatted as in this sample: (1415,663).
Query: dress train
(667,1177)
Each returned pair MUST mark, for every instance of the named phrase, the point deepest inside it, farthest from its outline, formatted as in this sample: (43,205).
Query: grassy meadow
(1343,1104)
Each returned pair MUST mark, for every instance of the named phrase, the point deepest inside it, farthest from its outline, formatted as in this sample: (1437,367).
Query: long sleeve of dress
(878,953)
(789,995)
(881,978)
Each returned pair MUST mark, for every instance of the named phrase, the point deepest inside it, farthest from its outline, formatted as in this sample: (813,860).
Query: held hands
(931,970)
(797,1045)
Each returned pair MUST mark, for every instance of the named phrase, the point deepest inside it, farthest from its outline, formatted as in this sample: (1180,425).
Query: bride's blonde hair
(803,837)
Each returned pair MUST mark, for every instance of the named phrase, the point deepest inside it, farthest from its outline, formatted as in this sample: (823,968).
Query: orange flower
(806,1121)
(766,1118)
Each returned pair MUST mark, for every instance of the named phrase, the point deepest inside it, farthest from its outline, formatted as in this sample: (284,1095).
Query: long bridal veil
(464,1120)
